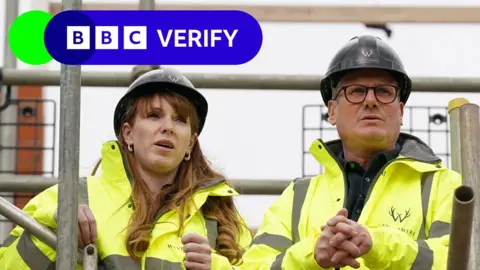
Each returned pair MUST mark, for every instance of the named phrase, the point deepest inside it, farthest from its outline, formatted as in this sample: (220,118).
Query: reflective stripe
(282,243)
(156,263)
(31,254)
(278,242)
(212,231)
(277,264)
(439,229)
(10,239)
(300,188)
(424,259)
(425,188)
(119,262)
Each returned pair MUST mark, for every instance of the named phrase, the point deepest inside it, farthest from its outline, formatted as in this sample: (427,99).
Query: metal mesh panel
(34,143)
(427,123)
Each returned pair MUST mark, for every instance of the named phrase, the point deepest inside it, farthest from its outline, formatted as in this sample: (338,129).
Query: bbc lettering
(107,38)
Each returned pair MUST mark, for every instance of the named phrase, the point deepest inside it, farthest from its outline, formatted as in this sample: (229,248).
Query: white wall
(257,134)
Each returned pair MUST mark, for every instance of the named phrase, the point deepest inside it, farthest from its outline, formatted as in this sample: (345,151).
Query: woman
(157,203)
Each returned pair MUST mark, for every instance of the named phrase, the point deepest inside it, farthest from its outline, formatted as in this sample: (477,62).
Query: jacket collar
(115,170)
(411,148)
(114,164)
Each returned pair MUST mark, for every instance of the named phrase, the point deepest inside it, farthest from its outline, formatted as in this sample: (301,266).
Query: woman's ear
(193,140)
(127,133)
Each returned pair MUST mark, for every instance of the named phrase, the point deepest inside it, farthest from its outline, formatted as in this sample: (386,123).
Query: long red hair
(191,175)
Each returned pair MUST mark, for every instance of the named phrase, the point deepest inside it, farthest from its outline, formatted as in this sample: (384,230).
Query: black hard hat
(365,52)
(161,79)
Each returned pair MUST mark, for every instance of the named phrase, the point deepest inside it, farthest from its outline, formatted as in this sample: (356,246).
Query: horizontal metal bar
(27,183)
(224,81)
(260,187)
(438,154)
(321,13)
(412,130)
(17,216)
(28,172)
(27,124)
(433,108)
(30,148)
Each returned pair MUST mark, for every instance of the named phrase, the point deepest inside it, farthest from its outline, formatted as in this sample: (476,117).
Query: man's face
(370,123)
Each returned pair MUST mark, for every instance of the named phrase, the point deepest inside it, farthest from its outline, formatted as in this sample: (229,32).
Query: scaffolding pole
(461,229)
(455,137)
(146,5)
(318,13)
(27,183)
(464,137)
(469,117)
(28,223)
(70,97)
(231,81)
(9,115)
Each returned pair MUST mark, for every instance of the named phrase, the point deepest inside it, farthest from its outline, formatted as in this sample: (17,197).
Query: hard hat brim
(326,83)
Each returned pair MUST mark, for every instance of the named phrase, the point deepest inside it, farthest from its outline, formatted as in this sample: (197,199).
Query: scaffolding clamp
(90,257)
(7,100)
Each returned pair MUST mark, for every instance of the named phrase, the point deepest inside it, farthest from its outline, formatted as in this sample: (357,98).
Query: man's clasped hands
(342,241)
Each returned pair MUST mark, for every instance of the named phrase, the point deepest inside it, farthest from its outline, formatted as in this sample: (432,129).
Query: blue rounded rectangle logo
(153,37)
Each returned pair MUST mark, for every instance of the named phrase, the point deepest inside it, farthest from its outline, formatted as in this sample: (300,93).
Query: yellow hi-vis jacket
(108,197)
(407,212)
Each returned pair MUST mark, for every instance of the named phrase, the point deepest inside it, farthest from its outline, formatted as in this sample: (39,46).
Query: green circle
(26,37)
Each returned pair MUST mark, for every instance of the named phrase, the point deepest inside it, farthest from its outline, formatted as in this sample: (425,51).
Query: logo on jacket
(175,247)
(399,217)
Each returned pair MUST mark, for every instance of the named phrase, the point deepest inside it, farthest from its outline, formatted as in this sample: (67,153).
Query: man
(384,200)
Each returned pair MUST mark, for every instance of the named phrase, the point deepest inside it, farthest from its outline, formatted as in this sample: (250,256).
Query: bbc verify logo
(135,37)
(153,37)
(107,38)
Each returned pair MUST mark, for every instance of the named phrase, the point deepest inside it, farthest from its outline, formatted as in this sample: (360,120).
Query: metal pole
(461,230)
(146,5)
(454,115)
(470,159)
(29,224)
(17,216)
(70,83)
(231,81)
(9,115)
(27,183)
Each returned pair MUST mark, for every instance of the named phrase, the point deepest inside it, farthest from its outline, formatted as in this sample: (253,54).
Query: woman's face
(161,138)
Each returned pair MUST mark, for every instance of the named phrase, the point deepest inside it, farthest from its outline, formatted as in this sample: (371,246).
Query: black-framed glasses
(356,93)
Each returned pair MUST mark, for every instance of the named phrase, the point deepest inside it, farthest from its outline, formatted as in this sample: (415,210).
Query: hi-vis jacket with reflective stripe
(407,212)
(107,197)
